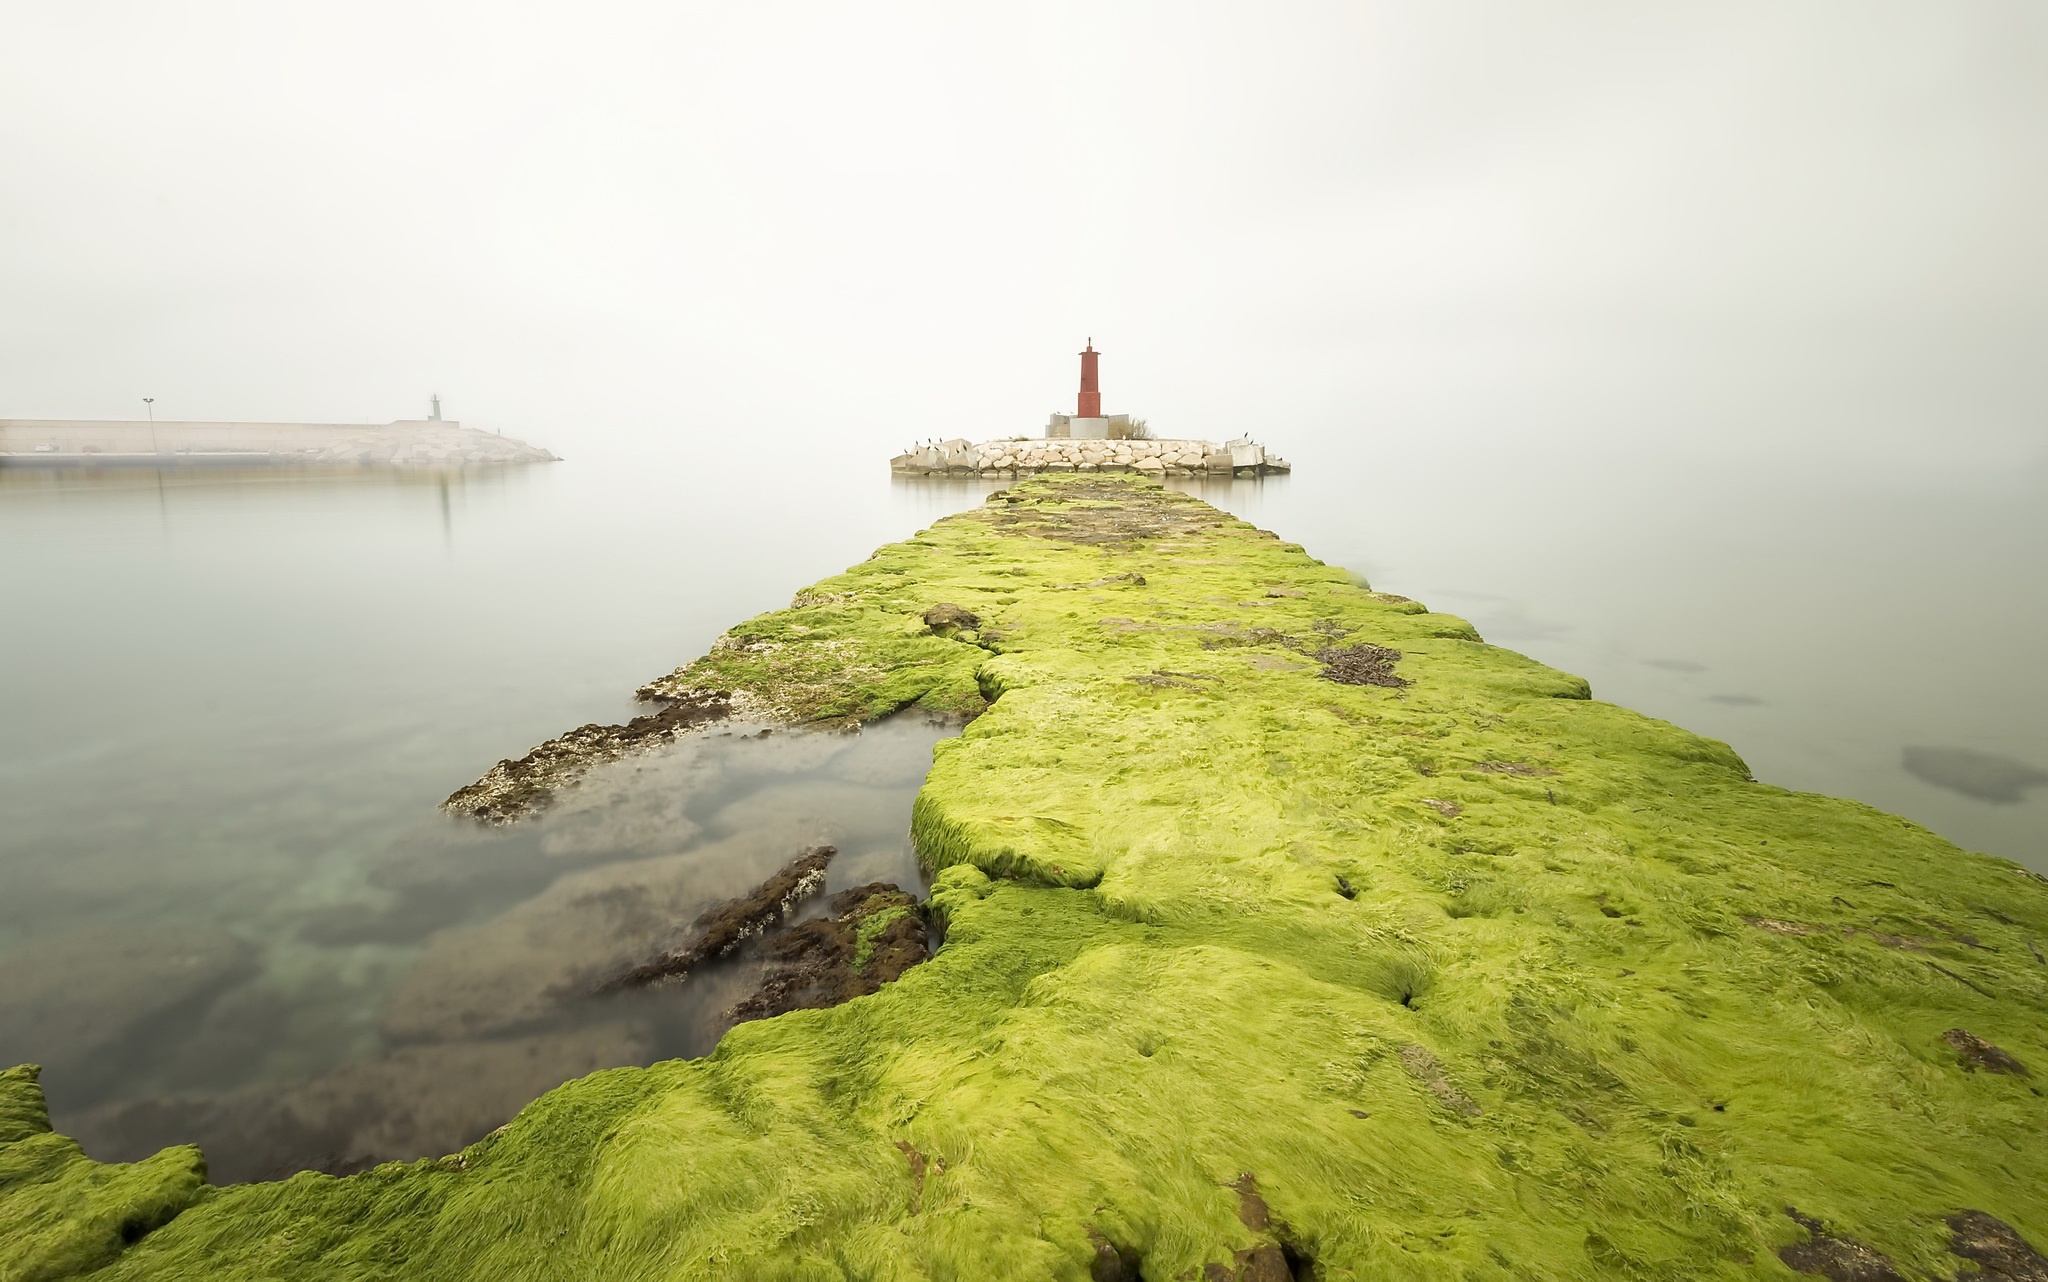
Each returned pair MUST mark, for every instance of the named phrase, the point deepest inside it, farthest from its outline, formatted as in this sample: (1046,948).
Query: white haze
(1776,233)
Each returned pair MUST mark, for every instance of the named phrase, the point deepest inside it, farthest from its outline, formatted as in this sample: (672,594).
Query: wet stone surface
(467,969)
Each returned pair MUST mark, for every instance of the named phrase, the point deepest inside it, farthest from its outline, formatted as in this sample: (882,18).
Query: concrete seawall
(1241,457)
(403,443)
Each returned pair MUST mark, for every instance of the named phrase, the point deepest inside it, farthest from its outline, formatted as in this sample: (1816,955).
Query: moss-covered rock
(62,1214)
(1264,952)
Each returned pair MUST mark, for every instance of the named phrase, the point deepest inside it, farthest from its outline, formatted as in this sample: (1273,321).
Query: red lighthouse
(1090,404)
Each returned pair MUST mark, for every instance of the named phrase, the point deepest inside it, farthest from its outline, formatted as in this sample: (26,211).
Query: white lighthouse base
(1066,426)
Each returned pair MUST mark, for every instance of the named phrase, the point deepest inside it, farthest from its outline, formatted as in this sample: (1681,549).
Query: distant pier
(427,443)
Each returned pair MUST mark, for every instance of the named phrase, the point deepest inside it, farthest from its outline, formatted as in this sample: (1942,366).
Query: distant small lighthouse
(1088,421)
(1090,403)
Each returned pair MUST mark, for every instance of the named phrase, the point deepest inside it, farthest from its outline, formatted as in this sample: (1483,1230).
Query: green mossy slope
(1474,976)
(62,1214)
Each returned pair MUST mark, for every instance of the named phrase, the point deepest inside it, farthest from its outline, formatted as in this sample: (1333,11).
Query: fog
(1804,236)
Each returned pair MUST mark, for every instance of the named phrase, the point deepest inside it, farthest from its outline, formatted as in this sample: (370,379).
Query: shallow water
(230,911)
(424,993)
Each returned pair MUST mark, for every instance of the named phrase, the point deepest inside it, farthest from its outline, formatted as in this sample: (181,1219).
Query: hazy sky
(1760,228)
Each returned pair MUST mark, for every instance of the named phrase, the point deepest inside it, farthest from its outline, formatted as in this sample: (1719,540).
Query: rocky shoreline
(1290,930)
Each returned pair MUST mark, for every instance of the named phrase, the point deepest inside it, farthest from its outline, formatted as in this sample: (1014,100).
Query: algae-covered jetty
(1290,930)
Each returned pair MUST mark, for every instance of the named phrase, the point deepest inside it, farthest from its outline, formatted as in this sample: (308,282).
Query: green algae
(62,1214)
(872,926)
(1474,975)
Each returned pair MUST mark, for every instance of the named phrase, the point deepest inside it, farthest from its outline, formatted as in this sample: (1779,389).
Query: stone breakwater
(432,443)
(1240,457)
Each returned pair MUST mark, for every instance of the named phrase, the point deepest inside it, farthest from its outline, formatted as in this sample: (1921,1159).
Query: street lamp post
(149,403)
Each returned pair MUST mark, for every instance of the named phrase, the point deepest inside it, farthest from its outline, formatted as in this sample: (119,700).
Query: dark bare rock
(1111,1262)
(1275,1259)
(723,928)
(513,789)
(1975,1053)
(874,934)
(946,617)
(1363,664)
(1252,1211)
(1998,1251)
(1838,1259)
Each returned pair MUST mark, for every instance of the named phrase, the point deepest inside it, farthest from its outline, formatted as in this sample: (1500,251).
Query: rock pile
(1240,457)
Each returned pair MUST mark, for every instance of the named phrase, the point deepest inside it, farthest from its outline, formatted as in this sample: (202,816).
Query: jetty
(404,443)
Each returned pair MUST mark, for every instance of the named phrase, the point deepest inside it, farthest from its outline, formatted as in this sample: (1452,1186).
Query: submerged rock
(418,1101)
(635,807)
(1981,776)
(76,1003)
(818,811)
(721,929)
(524,965)
(893,762)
